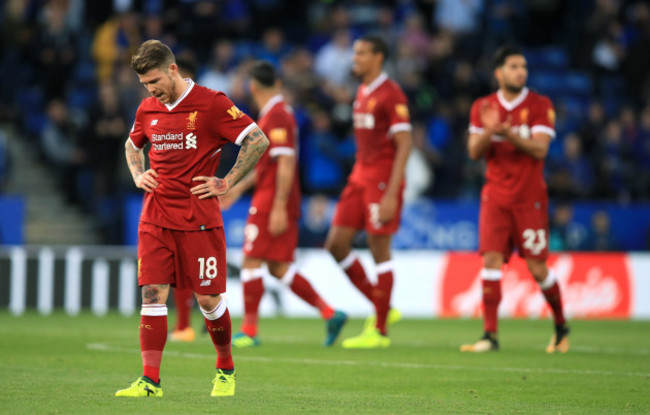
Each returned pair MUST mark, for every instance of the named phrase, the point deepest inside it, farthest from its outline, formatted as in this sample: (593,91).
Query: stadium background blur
(69,99)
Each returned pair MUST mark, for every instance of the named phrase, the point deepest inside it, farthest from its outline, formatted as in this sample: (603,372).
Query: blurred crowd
(66,84)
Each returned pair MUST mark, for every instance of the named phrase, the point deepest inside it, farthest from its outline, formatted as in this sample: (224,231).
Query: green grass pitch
(73,365)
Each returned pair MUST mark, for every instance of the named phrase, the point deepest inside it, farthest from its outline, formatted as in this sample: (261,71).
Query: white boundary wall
(418,291)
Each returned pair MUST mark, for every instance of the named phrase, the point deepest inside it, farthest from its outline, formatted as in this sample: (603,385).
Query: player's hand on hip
(387,208)
(212,187)
(278,221)
(147,181)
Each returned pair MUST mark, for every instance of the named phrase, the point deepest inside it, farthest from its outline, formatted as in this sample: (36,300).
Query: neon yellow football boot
(142,387)
(224,383)
(243,341)
(393,317)
(368,339)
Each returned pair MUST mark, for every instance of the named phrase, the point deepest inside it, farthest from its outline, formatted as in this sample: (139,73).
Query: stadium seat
(577,82)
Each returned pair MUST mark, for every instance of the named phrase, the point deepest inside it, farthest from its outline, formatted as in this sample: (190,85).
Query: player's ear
(497,73)
(172,69)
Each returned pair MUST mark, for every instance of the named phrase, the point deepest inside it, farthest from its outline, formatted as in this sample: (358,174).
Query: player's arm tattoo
(151,294)
(134,159)
(252,148)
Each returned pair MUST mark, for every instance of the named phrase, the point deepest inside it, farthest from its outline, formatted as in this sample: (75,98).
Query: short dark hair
(264,73)
(152,54)
(505,51)
(378,44)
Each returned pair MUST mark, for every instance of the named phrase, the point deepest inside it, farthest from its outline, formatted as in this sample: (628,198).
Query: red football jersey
(278,123)
(380,110)
(512,176)
(186,139)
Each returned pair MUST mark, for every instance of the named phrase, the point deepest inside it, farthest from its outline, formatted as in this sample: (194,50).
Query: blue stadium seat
(30,99)
(612,85)
(81,97)
(547,58)
(577,82)
(546,82)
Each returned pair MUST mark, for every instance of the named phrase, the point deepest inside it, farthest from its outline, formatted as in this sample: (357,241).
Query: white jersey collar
(275,99)
(510,105)
(375,84)
(182,97)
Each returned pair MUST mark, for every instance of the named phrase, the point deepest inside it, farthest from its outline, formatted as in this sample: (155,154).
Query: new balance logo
(154,122)
(206,283)
(190,141)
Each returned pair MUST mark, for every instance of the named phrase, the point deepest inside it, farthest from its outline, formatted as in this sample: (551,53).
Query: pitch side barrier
(428,283)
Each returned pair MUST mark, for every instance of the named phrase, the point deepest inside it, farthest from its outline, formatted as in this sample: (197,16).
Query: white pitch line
(114,349)
(610,350)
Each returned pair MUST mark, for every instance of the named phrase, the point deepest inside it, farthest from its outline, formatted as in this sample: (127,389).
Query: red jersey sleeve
(229,121)
(137,132)
(543,120)
(475,125)
(397,110)
(281,133)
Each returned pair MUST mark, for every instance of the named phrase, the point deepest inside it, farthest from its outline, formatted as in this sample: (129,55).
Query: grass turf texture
(74,365)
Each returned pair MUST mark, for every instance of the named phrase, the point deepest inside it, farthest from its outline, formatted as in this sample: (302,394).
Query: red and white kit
(177,227)
(514,200)
(279,125)
(380,110)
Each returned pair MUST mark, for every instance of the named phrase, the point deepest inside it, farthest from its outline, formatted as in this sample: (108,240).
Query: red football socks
(253,291)
(353,268)
(491,281)
(153,335)
(218,323)
(382,294)
(303,289)
(551,291)
(184,299)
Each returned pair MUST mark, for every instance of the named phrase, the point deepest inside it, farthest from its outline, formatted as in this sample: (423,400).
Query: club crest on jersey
(191,120)
(371,104)
(235,112)
(523,116)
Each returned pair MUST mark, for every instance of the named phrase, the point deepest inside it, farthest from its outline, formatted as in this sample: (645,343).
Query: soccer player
(180,236)
(372,198)
(512,128)
(271,232)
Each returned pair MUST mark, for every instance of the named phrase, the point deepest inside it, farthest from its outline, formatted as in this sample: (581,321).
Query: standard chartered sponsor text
(168,146)
(167,137)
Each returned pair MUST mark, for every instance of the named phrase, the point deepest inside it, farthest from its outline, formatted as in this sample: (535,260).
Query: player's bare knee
(278,269)
(208,301)
(337,248)
(380,247)
(537,269)
(492,260)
